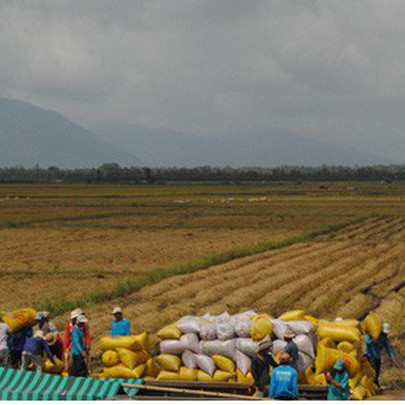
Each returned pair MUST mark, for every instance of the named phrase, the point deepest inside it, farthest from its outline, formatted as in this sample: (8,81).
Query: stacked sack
(343,339)
(127,356)
(221,348)
(21,318)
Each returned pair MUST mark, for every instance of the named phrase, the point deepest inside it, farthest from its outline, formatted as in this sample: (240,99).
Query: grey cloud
(328,70)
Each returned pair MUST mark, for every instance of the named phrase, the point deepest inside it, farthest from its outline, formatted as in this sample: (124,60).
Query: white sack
(225,331)
(208,331)
(242,328)
(278,346)
(243,362)
(279,328)
(305,345)
(301,327)
(189,324)
(247,346)
(189,359)
(191,342)
(226,348)
(206,364)
(304,361)
(172,346)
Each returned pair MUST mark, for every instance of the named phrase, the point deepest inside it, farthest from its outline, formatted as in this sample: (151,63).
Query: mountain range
(30,135)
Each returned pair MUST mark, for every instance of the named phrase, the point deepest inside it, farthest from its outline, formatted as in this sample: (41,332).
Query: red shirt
(68,336)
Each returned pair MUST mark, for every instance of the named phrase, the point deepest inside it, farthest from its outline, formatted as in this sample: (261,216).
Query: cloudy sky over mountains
(330,70)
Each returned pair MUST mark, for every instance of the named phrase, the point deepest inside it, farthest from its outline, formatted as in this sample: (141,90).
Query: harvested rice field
(164,251)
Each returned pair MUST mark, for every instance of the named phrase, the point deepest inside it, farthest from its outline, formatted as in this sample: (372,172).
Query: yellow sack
(94,375)
(346,347)
(222,376)
(49,367)
(168,362)
(328,342)
(152,369)
(368,385)
(19,319)
(326,358)
(338,333)
(110,358)
(351,323)
(169,332)
(354,382)
(132,359)
(358,393)
(261,316)
(139,371)
(187,374)
(203,376)
(311,319)
(320,379)
(260,329)
(297,315)
(168,375)
(119,371)
(309,377)
(373,325)
(224,363)
(134,342)
(244,379)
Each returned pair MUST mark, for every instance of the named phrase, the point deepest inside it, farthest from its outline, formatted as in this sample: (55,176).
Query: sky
(329,70)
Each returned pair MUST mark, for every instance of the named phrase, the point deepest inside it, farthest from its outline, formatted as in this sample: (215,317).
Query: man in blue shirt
(120,326)
(17,343)
(33,352)
(374,348)
(284,380)
(79,352)
(338,382)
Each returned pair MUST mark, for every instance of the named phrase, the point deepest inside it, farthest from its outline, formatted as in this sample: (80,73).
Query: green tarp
(27,385)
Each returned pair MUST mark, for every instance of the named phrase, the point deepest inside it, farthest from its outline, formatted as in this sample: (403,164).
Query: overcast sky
(330,69)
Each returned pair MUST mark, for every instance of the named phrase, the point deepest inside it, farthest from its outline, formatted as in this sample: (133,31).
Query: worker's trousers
(35,359)
(4,358)
(376,364)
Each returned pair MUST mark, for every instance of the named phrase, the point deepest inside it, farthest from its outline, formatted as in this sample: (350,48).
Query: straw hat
(39,333)
(50,338)
(117,310)
(82,319)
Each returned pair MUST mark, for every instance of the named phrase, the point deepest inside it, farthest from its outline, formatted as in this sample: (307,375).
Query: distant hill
(162,148)
(30,135)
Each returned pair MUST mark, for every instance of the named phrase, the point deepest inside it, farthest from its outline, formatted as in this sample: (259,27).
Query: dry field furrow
(310,275)
(312,285)
(353,230)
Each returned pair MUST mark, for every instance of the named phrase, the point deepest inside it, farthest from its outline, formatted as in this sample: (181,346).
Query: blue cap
(339,365)
(40,315)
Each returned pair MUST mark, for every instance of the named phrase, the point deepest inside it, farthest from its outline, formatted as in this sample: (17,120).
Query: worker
(44,323)
(55,344)
(69,329)
(119,326)
(4,344)
(79,352)
(284,380)
(17,343)
(291,347)
(338,382)
(374,348)
(261,363)
(34,350)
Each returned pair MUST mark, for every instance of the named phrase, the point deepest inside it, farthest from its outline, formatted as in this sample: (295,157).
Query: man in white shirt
(4,336)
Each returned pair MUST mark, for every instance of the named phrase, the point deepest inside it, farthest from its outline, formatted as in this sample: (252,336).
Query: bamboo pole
(191,392)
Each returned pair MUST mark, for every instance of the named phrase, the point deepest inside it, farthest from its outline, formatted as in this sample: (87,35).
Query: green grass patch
(124,287)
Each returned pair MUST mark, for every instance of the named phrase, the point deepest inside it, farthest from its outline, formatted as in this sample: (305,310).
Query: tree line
(112,172)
